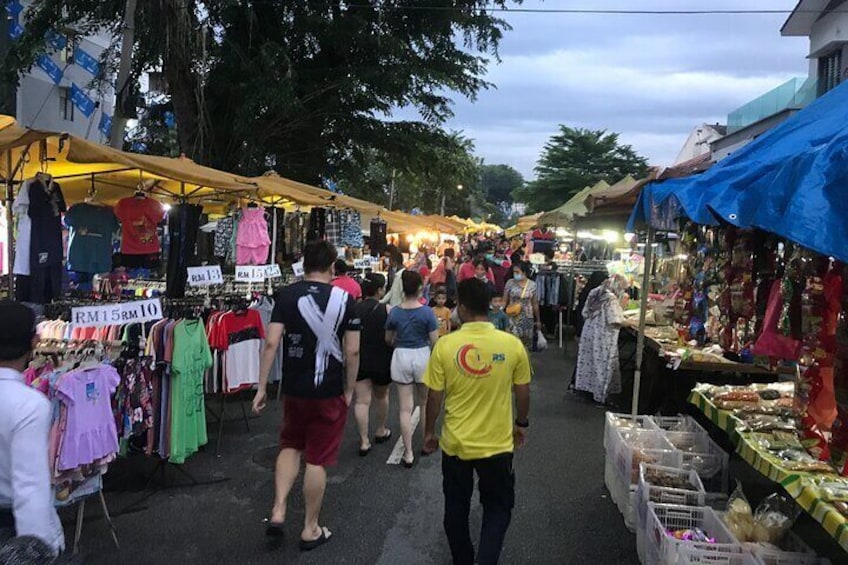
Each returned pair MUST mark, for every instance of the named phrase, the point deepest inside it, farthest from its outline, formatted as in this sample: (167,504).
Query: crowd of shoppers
(435,333)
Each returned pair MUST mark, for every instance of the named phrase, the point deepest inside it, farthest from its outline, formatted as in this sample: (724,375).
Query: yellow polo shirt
(476,367)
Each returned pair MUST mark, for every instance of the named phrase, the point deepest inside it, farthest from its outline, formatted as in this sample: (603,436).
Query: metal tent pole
(10,231)
(643,311)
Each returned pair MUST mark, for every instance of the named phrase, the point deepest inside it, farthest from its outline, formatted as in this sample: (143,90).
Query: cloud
(651,78)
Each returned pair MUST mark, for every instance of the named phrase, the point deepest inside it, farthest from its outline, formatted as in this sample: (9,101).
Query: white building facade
(64,90)
(825,22)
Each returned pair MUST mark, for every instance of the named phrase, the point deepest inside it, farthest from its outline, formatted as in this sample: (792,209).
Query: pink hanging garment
(252,240)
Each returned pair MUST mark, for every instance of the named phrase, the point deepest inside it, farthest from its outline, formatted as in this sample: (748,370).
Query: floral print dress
(522,326)
(598,369)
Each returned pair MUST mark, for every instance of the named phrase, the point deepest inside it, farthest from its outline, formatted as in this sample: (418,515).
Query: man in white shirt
(26,497)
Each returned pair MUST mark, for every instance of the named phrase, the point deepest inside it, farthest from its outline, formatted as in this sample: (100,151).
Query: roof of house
(806,13)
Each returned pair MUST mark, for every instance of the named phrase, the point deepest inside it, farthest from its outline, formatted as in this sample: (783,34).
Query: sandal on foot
(364,452)
(383,438)
(408,464)
(309,545)
(273,529)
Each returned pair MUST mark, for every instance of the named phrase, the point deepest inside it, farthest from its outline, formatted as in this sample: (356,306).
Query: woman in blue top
(411,329)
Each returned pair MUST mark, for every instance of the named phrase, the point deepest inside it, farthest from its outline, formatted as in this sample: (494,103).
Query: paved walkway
(380,514)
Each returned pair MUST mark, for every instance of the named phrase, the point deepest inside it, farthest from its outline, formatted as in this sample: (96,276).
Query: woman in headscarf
(596,279)
(598,370)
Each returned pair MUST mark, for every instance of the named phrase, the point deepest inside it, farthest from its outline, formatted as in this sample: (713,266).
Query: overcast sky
(651,78)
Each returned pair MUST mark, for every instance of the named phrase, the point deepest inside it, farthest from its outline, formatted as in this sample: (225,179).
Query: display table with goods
(668,479)
(762,421)
(669,372)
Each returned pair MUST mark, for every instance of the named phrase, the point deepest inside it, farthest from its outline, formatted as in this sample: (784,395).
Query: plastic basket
(700,556)
(795,552)
(632,447)
(704,455)
(610,476)
(661,548)
(647,492)
(614,422)
(679,423)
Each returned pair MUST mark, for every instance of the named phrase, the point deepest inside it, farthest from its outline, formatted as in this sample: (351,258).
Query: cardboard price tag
(362,263)
(297,268)
(117,314)
(257,273)
(205,276)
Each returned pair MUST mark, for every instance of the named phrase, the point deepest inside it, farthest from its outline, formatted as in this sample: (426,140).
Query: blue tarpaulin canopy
(792,181)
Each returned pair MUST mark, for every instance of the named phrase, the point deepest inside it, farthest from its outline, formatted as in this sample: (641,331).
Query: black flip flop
(316,543)
(364,452)
(383,439)
(273,529)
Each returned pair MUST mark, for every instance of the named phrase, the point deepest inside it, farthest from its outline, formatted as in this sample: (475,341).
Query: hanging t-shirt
(46,206)
(139,218)
(191,359)
(265,307)
(90,247)
(316,316)
(20,208)
(90,432)
(240,335)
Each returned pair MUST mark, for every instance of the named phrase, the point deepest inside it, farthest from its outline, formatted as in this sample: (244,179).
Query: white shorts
(408,365)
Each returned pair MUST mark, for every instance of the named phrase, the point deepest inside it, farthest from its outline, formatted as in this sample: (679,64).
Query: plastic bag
(773,518)
(541,342)
(739,518)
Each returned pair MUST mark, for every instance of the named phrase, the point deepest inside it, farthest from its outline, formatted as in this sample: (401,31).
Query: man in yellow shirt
(475,370)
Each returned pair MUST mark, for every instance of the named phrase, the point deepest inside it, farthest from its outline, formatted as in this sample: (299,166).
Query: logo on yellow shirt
(471,362)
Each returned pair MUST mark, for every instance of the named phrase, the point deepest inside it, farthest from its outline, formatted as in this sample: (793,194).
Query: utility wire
(587,11)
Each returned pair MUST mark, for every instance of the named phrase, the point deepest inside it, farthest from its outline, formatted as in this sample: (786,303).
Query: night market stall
(760,283)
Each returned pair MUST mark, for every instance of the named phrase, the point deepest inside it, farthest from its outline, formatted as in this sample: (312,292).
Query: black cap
(17,328)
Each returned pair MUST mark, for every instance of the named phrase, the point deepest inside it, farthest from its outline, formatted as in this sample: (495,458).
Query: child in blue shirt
(496,314)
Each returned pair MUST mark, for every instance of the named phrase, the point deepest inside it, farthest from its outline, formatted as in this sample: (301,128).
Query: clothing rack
(570,269)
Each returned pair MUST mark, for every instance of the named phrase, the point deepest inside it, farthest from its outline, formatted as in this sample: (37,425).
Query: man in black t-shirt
(319,328)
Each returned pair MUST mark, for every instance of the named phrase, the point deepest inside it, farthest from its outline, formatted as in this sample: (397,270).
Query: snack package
(773,518)
(739,518)
(839,440)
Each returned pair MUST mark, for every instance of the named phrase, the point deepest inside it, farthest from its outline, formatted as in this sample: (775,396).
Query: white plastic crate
(614,422)
(704,455)
(610,476)
(647,446)
(663,549)
(679,423)
(705,556)
(795,552)
(647,492)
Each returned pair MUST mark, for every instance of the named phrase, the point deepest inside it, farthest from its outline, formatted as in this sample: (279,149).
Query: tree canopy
(305,88)
(575,158)
(497,183)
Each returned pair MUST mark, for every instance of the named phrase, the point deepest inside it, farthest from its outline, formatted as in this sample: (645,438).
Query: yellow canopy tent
(574,206)
(525,223)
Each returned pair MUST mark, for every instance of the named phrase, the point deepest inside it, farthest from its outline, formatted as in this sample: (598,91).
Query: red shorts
(314,426)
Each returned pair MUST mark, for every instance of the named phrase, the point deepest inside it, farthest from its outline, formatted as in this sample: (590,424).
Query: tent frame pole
(643,311)
(10,228)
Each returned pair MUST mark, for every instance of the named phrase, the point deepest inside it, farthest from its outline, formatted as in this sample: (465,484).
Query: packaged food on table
(741,395)
(769,394)
(766,423)
(801,461)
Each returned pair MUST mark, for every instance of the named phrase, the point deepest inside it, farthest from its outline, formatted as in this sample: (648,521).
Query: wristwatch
(522,423)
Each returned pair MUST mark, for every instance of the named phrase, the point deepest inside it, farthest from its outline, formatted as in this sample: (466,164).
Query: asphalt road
(379,514)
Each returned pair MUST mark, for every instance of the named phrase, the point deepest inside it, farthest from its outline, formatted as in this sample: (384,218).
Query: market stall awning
(790,181)
(574,206)
(12,135)
(83,167)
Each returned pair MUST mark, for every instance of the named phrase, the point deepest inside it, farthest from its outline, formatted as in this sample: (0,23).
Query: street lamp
(458,187)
